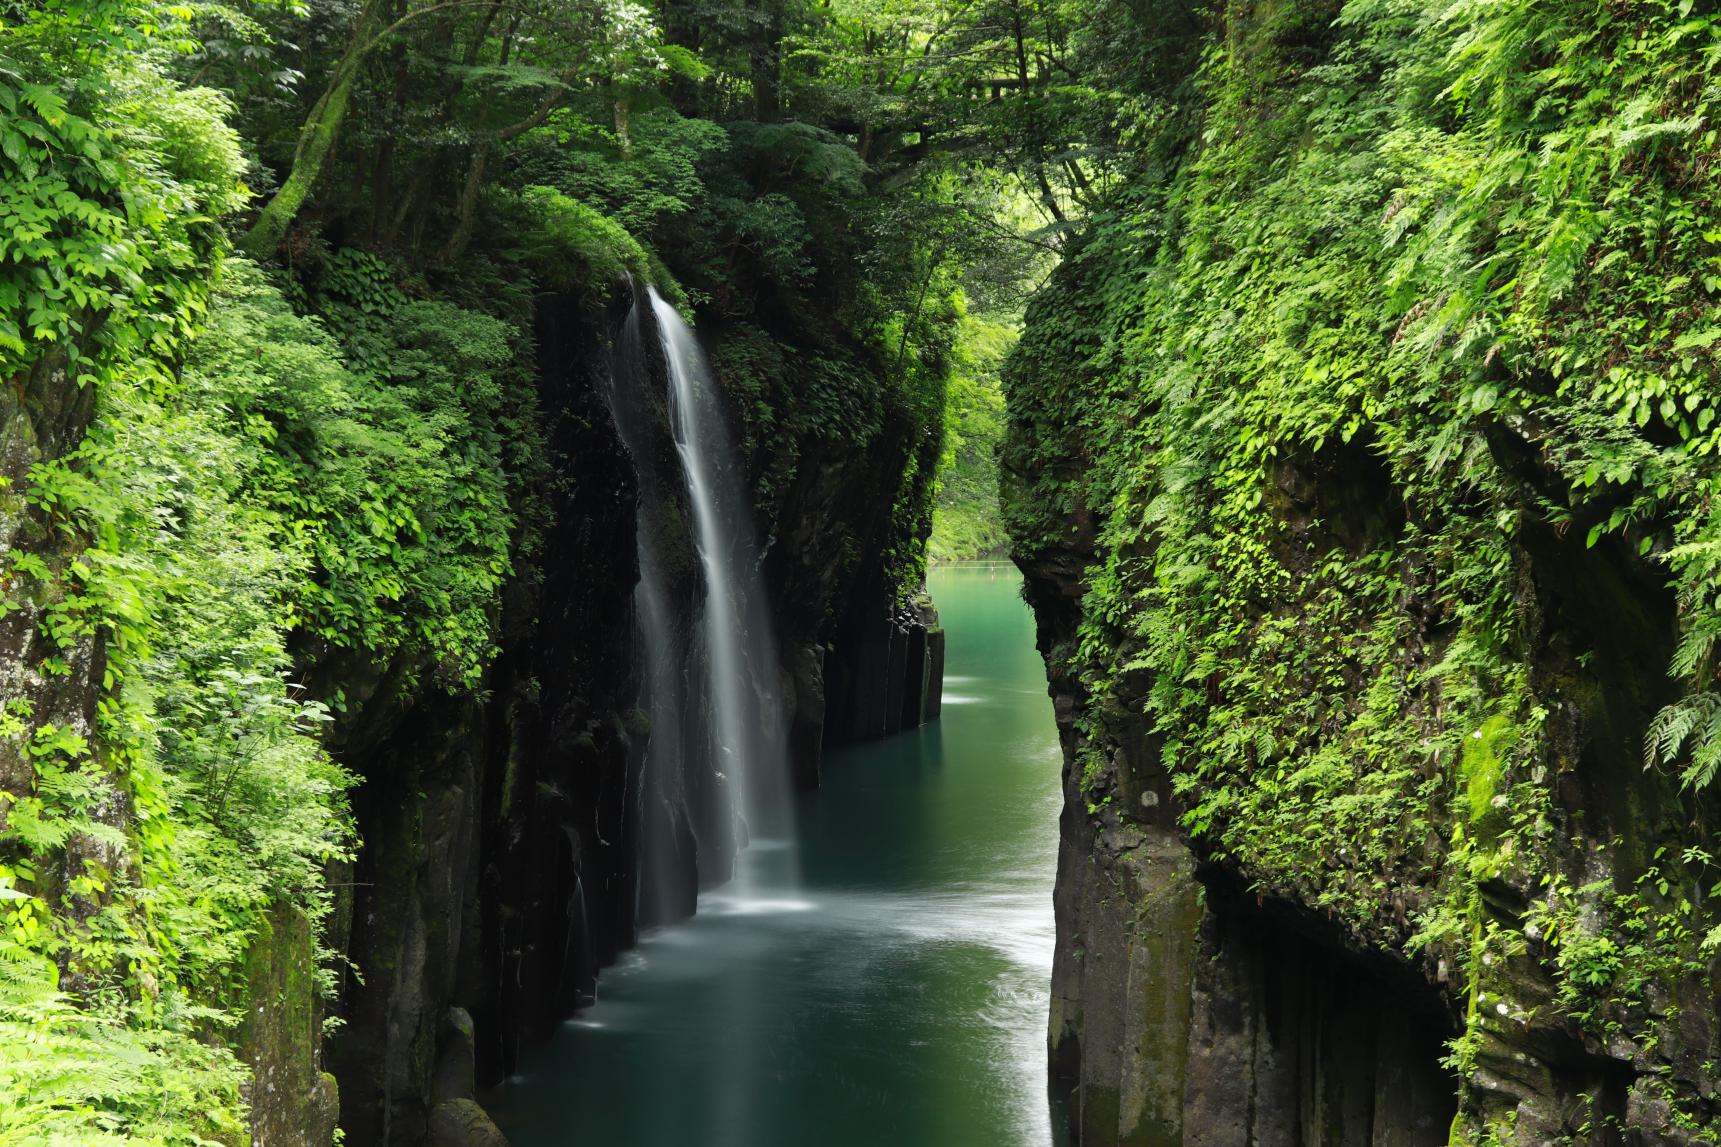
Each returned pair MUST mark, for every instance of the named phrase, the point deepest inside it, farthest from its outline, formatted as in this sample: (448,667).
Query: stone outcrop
(43,415)
(891,675)
(463,1123)
(294,1102)
(1184,1012)
(1195,1002)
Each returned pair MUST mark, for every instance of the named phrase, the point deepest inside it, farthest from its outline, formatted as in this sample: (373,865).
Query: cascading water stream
(665,678)
(896,991)
(710,664)
(880,978)
(732,614)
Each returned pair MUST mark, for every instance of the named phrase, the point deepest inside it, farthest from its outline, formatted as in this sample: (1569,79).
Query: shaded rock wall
(1187,1013)
(501,838)
(294,1102)
(500,855)
(844,511)
(887,673)
(503,830)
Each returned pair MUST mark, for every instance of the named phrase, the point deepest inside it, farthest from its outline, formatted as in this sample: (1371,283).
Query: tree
(546,49)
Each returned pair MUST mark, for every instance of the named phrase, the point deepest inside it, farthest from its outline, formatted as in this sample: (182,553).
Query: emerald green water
(879,976)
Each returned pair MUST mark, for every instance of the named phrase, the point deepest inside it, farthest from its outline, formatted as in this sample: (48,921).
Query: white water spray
(693,421)
(740,655)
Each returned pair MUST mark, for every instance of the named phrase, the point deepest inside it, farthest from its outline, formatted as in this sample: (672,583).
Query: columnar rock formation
(504,847)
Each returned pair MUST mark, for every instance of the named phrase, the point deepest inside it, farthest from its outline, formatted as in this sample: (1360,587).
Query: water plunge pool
(879,975)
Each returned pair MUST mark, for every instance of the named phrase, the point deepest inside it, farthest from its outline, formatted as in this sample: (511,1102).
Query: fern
(70,1076)
(1695,719)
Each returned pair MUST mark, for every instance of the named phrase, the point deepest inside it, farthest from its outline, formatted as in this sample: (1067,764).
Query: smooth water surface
(884,979)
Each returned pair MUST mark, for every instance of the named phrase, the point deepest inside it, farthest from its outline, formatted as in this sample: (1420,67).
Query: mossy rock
(293,1102)
(462,1123)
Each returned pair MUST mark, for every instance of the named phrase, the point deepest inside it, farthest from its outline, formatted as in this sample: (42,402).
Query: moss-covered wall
(1362,560)
(294,1102)
(504,836)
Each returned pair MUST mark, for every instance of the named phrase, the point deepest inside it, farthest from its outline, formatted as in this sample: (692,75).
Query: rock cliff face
(502,843)
(843,503)
(1186,1010)
(503,838)
(1190,1008)
(500,857)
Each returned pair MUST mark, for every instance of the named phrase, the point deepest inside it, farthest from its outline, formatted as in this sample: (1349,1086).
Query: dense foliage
(1376,378)
(1387,382)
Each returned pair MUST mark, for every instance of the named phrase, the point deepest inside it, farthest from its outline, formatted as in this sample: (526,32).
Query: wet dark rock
(503,841)
(806,687)
(456,1058)
(500,851)
(463,1123)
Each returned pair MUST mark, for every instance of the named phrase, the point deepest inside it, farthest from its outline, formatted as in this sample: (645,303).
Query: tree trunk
(1048,197)
(323,126)
(382,177)
(316,140)
(474,185)
(767,57)
(468,213)
(624,141)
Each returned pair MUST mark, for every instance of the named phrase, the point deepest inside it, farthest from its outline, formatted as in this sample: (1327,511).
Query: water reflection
(884,978)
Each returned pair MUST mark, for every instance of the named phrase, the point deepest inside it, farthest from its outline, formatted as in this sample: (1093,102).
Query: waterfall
(741,657)
(694,422)
(659,796)
(711,677)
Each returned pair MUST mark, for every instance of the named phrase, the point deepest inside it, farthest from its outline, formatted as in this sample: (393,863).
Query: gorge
(1138,573)
(897,946)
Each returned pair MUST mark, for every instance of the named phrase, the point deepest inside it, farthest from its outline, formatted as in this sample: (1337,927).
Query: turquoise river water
(878,976)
